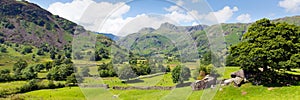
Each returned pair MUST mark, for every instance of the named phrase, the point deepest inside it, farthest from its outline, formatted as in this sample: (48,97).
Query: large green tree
(180,74)
(268,48)
(126,73)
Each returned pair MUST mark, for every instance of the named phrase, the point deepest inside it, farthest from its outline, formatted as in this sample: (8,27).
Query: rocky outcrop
(237,78)
(206,82)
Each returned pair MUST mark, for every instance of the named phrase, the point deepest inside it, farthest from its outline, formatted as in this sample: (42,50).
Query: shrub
(27,49)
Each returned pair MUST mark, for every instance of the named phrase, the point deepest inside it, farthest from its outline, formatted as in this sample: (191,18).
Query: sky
(122,17)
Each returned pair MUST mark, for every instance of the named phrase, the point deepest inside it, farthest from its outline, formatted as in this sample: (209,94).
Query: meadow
(245,92)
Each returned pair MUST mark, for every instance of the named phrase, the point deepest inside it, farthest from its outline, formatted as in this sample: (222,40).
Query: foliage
(49,65)
(40,52)
(5,75)
(107,70)
(3,49)
(274,47)
(85,71)
(60,72)
(74,79)
(39,67)
(180,74)
(18,67)
(168,68)
(126,72)
(29,73)
(27,49)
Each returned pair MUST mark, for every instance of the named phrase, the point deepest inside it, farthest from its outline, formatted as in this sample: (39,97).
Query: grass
(251,92)
(229,70)
(245,92)
(8,59)
(11,87)
(72,93)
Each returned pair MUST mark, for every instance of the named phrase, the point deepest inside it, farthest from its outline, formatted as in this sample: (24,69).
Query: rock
(228,81)
(206,82)
(237,81)
(239,73)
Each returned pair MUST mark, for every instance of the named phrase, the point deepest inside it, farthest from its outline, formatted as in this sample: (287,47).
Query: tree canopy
(268,48)
(180,74)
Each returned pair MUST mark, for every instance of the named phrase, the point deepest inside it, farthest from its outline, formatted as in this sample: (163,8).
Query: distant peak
(147,30)
(168,25)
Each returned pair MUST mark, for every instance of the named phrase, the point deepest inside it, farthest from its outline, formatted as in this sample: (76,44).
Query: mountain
(232,32)
(291,20)
(23,22)
(166,40)
(111,36)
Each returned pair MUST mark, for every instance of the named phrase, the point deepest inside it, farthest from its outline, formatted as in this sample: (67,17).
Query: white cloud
(290,5)
(71,11)
(222,15)
(90,14)
(173,8)
(244,18)
(94,16)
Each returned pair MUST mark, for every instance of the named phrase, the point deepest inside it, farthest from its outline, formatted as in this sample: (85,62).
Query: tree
(126,72)
(207,57)
(270,46)
(168,68)
(18,67)
(39,67)
(40,52)
(73,79)
(5,75)
(49,65)
(185,74)
(180,74)
(3,49)
(52,54)
(27,49)
(60,72)
(176,74)
(85,72)
(29,73)
(107,70)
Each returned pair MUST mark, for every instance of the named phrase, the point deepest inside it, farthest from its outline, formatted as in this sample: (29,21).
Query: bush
(51,85)
(3,50)
(31,85)
(107,70)
(126,72)
(180,74)
(40,52)
(27,49)
(5,75)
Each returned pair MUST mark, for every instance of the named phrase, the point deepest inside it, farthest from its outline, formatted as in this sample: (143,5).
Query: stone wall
(143,87)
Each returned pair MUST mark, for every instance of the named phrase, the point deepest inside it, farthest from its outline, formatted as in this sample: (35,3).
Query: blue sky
(226,11)
(256,8)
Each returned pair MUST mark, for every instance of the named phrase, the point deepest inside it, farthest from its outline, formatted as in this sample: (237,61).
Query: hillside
(166,40)
(26,23)
(31,33)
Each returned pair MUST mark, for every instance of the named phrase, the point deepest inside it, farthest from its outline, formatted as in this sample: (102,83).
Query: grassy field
(11,87)
(12,56)
(245,92)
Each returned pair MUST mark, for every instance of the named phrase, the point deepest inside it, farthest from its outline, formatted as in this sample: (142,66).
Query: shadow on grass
(183,84)
(278,80)
(134,81)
